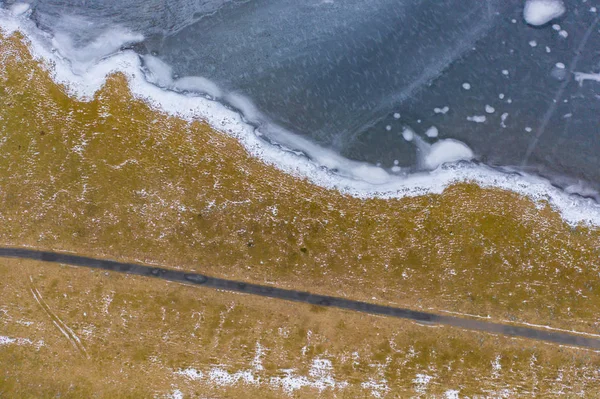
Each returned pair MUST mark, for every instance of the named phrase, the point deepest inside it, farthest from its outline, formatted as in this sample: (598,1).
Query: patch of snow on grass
(191,373)
(496,367)
(20,341)
(451,394)
(421,381)
(379,389)
(321,378)
(176,394)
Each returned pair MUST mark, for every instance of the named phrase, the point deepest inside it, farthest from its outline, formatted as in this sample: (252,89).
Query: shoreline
(573,208)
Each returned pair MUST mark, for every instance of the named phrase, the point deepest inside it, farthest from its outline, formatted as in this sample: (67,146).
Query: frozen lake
(371,79)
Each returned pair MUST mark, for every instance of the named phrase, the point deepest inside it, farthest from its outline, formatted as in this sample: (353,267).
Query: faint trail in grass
(62,327)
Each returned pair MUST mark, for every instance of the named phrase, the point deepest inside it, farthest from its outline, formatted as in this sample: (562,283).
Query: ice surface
(540,12)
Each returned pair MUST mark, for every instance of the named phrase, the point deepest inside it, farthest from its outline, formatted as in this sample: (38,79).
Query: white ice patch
(581,77)
(18,9)
(533,43)
(540,12)
(447,151)
(322,167)
(503,119)
(489,109)
(408,134)
(477,118)
(82,59)
(444,110)
(199,84)
(157,71)
(432,132)
(581,188)
(466,86)
(161,74)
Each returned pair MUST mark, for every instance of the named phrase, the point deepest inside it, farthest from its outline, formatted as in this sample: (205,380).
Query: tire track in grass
(62,327)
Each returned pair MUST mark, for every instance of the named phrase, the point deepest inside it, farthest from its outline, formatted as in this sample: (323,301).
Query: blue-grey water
(352,74)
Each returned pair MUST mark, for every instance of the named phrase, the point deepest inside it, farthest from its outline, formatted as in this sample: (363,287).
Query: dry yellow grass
(112,177)
(138,333)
